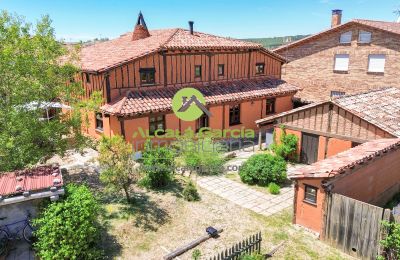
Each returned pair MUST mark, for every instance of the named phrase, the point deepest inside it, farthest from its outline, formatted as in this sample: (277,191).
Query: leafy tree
(263,169)
(68,229)
(158,165)
(119,170)
(32,74)
(287,146)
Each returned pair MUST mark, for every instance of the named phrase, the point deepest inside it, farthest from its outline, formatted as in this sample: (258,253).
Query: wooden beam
(165,68)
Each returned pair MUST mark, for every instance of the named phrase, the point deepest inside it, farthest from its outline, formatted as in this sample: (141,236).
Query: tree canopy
(32,74)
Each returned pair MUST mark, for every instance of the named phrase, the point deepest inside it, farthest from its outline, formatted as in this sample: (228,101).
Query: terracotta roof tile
(159,100)
(108,54)
(39,178)
(337,164)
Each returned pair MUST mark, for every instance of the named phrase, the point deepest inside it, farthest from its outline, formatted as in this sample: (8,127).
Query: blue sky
(82,20)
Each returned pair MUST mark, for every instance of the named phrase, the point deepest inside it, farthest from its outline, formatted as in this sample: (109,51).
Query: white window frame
(365,34)
(346,37)
(341,65)
(376,63)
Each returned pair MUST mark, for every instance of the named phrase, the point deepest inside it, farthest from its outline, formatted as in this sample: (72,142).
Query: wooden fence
(354,226)
(249,245)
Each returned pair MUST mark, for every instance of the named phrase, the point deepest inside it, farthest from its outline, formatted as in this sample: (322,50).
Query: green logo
(188,104)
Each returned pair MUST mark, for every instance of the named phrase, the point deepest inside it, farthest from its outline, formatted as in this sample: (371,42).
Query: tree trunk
(128,197)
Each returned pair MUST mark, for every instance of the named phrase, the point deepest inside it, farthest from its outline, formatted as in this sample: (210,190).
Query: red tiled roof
(392,27)
(379,107)
(343,161)
(39,178)
(108,54)
(159,100)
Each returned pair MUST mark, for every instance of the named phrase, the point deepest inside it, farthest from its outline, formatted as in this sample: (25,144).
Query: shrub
(68,229)
(252,257)
(262,169)
(274,188)
(119,170)
(203,155)
(391,243)
(287,146)
(190,192)
(196,254)
(157,165)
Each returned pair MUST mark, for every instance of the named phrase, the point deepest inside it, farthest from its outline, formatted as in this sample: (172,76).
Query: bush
(68,229)
(202,155)
(252,257)
(274,188)
(391,243)
(157,165)
(196,254)
(262,169)
(190,192)
(287,146)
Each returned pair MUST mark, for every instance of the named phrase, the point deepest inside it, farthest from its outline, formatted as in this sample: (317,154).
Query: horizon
(99,19)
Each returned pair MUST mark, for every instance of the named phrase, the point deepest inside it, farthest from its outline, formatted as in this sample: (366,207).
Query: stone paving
(244,196)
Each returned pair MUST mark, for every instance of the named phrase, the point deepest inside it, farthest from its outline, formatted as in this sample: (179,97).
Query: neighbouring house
(328,127)
(367,173)
(140,71)
(352,57)
(22,191)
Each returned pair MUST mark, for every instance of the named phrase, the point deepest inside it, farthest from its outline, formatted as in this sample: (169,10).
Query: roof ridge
(365,92)
(119,107)
(369,20)
(170,38)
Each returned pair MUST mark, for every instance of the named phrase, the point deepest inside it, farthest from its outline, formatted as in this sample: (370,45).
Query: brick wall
(311,63)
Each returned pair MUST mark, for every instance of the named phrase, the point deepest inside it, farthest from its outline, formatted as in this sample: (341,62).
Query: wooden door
(309,148)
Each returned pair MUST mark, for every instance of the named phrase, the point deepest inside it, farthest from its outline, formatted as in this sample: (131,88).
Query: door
(269,137)
(309,148)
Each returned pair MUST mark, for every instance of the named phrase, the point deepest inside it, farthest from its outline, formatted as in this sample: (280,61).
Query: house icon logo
(188,104)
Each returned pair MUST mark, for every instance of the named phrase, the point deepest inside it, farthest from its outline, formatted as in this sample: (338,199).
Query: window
(270,109)
(341,62)
(221,69)
(364,37)
(335,93)
(203,121)
(87,77)
(260,68)
(147,76)
(99,121)
(197,71)
(310,194)
(376,63)
(234,115)
(156,122)
(345,37)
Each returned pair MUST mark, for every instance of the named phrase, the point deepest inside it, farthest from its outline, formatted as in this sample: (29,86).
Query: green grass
(275,42)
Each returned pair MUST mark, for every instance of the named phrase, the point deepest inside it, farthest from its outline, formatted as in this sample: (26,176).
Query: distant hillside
(274,42)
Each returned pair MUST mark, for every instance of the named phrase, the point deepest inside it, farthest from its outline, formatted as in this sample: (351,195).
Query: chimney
(336,17)
(191,26)
(140,31)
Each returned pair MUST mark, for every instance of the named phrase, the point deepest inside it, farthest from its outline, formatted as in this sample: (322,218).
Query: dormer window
(147,76)
(345,37)
(364,37)
(260,68)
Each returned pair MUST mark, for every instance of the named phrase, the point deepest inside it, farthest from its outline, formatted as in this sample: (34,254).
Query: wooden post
(260,132)
(189,246)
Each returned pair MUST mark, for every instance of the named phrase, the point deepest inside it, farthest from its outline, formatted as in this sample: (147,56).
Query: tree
(119,170)
(32,74)
(68,229)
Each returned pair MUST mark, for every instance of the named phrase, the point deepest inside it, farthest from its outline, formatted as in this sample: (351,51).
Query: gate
(353,226)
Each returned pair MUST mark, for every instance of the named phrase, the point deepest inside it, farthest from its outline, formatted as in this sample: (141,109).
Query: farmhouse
(139,73)
(329,127)
(367,173)
(352,57)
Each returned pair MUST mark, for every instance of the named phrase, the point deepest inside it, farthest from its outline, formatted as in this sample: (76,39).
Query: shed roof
(348,159)
(35,179)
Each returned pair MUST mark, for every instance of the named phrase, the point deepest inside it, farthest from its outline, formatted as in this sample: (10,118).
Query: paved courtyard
(244,196)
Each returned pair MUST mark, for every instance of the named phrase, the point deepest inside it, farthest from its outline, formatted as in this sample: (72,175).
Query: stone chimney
(141,30)
(336,17)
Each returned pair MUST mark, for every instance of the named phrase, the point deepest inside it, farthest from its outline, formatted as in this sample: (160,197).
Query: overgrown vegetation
(287,146)
(119,170)
(157,165)
(274,188)
(202,155)
(263,169)
(68,229)
(190,192)
(275,42)
(32,75)
(391,242)
(252,257)
(196,254)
